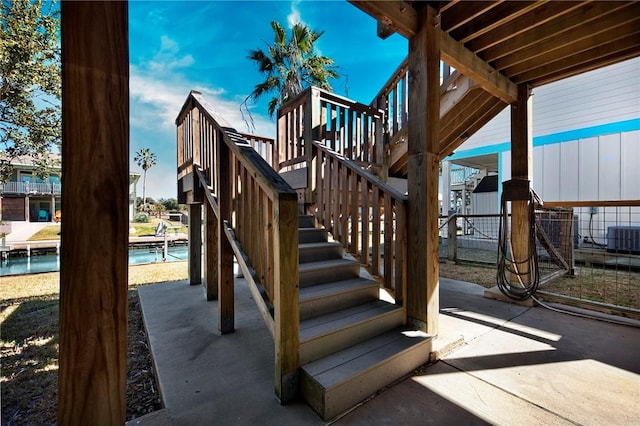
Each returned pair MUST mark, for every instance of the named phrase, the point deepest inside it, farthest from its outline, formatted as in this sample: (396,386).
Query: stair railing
(367,216)
(393,97)
(256,215)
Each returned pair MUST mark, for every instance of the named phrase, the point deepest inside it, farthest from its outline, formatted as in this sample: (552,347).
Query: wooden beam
(195,244)
(404,19)
(464,12)
(422,296)
(465,61)
(95,199)
(395,15)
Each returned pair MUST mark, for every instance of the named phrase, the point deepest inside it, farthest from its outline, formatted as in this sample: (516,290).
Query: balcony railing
(31,188)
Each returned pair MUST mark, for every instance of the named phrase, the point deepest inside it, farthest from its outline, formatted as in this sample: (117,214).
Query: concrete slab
(205,378)
(510,365)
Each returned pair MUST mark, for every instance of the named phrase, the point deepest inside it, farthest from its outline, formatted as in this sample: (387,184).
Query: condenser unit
(624,239)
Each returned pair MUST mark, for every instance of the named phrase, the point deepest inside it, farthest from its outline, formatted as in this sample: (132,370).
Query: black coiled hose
(511,281)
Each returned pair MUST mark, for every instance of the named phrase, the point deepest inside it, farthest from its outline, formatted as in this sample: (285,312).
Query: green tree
(145,159)
(170,204)
(290,65)
(30,116)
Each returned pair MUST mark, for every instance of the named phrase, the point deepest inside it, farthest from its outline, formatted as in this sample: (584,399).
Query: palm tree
(290,66)
(145,159)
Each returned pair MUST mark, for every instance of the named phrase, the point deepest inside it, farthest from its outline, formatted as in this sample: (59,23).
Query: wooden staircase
(351,342)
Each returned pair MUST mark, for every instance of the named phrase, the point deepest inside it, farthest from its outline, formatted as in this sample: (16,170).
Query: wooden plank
(195,244)
(536,18)
(375,231)
(463,13)
(93,268)
(565,22)
(344,209)
(211,235)
(468,63)
(364,202)
(388,242)
(226,311)
(400,252)
(424,102)
(286,310)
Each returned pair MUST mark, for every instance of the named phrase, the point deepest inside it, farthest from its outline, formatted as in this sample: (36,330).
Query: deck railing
(393,98)
(250,208)
(349,128)
(364,214)
(35,188)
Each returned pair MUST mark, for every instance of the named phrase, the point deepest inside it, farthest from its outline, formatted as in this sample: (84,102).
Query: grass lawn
(29,345)
(139,230)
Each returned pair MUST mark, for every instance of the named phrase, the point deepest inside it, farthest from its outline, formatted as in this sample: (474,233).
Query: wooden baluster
(364,188)
(344,195)
(375,235)
(401,257)
(355,222)
(388,242)
(327,192)
(211,236)
(226,311)
(352,152)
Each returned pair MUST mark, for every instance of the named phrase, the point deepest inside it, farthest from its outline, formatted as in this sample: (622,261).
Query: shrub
(141,218)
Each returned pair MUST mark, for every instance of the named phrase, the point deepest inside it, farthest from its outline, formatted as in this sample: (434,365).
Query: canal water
(51,262)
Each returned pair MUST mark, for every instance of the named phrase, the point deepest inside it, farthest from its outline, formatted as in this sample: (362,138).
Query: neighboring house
(586,140)
(26,197)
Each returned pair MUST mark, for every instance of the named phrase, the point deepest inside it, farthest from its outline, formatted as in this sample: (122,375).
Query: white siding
(569,176)
(607,95)
(630,166)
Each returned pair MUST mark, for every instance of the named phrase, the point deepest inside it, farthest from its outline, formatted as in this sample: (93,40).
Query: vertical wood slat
(335,197)
(375,234)
(388,243)
(195,244)
(226,311)
(355,205)
(211,236)
(93,267)
(401,258)
(364,200)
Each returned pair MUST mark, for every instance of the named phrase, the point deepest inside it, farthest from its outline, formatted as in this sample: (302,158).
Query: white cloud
(294,16)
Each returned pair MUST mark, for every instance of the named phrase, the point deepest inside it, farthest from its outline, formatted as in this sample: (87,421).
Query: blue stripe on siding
(570,135)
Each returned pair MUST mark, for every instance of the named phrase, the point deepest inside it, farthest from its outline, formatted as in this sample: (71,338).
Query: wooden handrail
(357,208)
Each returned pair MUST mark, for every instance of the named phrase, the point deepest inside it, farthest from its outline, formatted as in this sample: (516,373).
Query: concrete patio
(500,364)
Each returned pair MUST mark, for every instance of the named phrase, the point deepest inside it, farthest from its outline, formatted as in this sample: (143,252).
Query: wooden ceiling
(505,43)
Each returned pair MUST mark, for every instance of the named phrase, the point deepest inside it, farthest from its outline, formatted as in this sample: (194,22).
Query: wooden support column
(286,307)
(95,201)
(521,168)
(422,221)
(211,236)
(195,244)
(226,311)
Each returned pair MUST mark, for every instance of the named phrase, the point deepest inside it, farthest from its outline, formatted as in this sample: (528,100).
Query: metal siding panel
(588,169)
(630,166)
(569,171)
(537,180)
(609,176)
(551,172)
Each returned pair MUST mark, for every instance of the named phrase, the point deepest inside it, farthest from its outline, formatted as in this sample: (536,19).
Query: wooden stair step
(324,298)
(312,273)
(339,381)
(312,235)
(315,252)
(333,331)
(306,221)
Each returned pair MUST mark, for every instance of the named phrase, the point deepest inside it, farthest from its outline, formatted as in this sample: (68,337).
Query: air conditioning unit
(623,239)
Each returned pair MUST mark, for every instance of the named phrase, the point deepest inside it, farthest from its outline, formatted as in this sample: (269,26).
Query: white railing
(31,188)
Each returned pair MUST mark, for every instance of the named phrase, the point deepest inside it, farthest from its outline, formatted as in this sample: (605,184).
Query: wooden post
(286,310)
(211,235)
(226,312)
(521,168)
(452,238)
(95,164)
(311,123)
(422,219)
(195,244)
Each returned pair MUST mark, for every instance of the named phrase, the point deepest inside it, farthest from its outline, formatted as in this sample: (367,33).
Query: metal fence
(588,252)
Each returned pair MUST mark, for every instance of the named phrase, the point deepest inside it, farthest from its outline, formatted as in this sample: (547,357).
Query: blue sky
(203,45)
